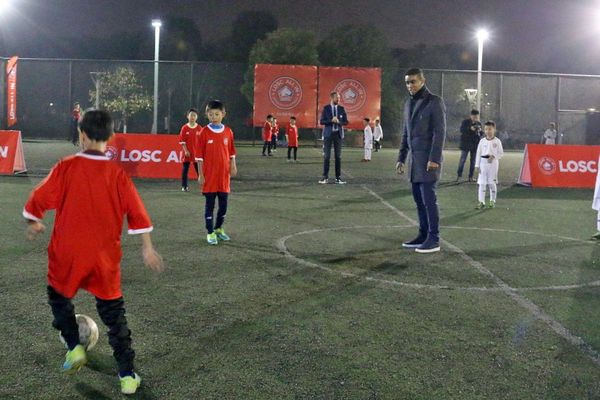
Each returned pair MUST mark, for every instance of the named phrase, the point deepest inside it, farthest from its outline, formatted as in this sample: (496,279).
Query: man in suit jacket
(424,135)
(333,119)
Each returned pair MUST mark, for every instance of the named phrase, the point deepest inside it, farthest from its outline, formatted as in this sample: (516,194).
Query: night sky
(525,31)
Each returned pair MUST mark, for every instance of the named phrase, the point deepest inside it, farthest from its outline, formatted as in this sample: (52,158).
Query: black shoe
(324,181)
(412,244)
(338,181)
(429,246)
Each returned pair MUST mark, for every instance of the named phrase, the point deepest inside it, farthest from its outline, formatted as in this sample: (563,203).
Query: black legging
(290,152)
(210,207)
(184,173)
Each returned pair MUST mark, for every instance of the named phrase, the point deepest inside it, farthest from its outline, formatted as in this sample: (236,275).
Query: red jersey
(188,136)
(267,132)
(292,134)
(91,196)
(275,130)
(215,149)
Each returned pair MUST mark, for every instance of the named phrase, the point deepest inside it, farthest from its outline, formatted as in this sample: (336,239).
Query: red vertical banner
(359,90)
(11,93)
(285,91)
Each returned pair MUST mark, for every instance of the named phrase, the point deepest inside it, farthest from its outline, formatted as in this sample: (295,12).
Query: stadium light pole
(482,36)
(156,23)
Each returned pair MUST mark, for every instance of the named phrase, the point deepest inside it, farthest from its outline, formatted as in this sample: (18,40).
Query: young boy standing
(489,151)
(368,140)
(291,137)
(91,195)
(215,153)
(267,132)
(274,134)
(377,135)
(187,138)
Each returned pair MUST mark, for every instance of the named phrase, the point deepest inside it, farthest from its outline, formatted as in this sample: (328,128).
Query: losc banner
(285,91)
(11,93)
(148,156)
(12,159)
(560,166)
(359,90)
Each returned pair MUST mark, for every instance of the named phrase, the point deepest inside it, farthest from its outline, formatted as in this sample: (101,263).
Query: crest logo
(352,94)
(547,165)
(285,93)
(111,152)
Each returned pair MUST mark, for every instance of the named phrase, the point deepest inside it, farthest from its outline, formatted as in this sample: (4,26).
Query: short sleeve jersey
(267,132)
(292,133)
(91,195)
(215,148)
(188,136)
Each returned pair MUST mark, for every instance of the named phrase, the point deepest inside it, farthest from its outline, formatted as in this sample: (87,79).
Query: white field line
(534,309)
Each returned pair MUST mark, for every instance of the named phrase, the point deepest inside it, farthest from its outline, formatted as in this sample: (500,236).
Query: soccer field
(314,297)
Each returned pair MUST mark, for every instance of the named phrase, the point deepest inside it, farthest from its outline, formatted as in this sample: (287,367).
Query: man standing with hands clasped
(333,119)
(424,135)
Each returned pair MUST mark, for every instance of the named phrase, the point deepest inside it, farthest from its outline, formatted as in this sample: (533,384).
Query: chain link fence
(522,104)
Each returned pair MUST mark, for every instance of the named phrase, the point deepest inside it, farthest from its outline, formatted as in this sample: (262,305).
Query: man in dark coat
(470,135)
(424,136)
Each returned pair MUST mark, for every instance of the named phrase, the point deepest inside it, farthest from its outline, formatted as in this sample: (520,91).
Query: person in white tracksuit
(368,141)
(489,152)
(596,204)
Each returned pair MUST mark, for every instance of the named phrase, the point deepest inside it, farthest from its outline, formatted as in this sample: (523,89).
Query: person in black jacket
(470,135)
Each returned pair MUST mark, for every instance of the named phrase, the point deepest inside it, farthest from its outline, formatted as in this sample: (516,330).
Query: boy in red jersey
(292,139)
(91,195)
(267,132)
(215,153)
(274,134)
(187,138)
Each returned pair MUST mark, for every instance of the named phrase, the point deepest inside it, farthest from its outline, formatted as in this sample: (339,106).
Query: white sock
(493,191)
(481,193)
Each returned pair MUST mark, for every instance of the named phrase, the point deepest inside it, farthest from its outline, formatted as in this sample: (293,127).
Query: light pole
(156,23)
(482,36)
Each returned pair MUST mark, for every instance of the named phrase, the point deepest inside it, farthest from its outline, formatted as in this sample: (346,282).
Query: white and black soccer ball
(88,332)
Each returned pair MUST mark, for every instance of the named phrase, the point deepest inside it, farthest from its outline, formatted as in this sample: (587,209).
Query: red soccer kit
(91,195)
(267,132)
(188,136)
(292,133)
(275,131)
(215,149)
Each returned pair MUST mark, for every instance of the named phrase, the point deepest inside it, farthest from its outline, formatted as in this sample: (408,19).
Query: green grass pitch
(314,298)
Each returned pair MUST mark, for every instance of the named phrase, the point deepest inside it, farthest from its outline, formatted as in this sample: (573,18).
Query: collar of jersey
(92,156)
(216,130)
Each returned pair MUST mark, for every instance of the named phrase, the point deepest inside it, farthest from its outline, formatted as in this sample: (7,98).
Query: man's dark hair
(269,116)
(191,110)
(415,71)
(490,123)
(333,93)
(474,112)
(366,119)
(215,105)
(97,125)
(294,118)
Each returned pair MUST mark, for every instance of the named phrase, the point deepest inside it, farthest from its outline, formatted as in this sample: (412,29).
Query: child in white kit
(368,142)
(489,151)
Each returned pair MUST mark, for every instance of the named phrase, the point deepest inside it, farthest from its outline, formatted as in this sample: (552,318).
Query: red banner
(285,91)
(11,93)
(11,152)
(148,156)
(359,90)
(560,166)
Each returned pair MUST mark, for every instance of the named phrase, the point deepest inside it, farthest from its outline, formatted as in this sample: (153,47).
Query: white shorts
(488,172)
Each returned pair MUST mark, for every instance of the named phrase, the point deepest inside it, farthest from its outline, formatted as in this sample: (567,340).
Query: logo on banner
(547,165)
(353,94)
(285,93)
(111,152)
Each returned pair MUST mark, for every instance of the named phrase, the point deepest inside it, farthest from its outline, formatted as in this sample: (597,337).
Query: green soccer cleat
(74,360)
(480,206)
(211,238)
(130,384)
(491,204)
(221,235)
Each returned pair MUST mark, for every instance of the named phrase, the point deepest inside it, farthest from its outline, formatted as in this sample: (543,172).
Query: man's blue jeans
(427,208)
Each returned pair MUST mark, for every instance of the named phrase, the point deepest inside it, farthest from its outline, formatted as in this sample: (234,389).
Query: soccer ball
(88,332)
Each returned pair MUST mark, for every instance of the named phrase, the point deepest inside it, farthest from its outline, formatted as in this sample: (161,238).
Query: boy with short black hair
(187,138)
(368,140)
(267,132)
(489,151)
(91,195)
(291,137)
(215,153)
